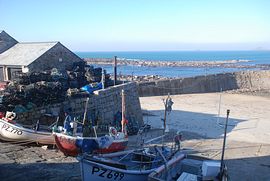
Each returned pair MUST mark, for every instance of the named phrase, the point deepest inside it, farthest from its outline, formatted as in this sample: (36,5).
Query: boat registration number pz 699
(101,172)
(11,129)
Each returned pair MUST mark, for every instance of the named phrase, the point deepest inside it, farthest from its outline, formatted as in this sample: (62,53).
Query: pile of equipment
(48,87)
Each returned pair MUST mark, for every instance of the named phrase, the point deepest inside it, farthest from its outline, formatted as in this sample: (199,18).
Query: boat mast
(123,122)
(115,70)
(223,147)
(84,117)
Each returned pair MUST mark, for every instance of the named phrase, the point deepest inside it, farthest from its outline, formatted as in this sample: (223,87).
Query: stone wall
(6,41)
(103,104)
(255,80)
(57,57)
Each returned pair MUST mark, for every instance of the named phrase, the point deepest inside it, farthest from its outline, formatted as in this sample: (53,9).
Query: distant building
(33,56)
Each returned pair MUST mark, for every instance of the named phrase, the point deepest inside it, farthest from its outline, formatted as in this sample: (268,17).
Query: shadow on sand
(201,124)
(40,171)
(254,169)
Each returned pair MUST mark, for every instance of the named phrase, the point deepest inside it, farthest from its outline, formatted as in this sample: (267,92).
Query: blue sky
(147,25)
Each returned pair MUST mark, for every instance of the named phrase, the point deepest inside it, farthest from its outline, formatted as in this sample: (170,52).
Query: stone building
(32,56)
(104,106)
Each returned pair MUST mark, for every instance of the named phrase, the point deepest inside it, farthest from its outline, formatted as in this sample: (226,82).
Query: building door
(2,74)
(8,73)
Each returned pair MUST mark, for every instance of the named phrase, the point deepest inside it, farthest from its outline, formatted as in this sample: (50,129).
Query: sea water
(253,57)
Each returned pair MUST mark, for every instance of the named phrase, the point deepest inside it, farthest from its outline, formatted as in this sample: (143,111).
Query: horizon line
(167,50)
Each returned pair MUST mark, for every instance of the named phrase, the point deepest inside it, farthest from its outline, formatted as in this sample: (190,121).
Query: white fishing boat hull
(13,132)
(100,172)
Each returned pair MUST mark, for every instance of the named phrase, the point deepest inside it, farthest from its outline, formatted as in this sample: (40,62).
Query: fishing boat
(131,165)
(72,145)
(11,131)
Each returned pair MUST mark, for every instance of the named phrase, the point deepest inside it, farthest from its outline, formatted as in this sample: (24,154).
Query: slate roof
(25,53)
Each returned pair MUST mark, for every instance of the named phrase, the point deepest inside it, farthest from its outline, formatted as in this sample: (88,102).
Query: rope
(22,143)
(13,142)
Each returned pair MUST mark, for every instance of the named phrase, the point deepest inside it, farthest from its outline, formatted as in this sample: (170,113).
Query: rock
(45,147)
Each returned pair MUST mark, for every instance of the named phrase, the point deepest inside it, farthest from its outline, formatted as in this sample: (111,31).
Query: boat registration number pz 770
(101,172)
(11,129)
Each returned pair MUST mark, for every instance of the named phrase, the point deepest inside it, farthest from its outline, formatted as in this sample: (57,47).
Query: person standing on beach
(169,105)
(168,109)
(177,140)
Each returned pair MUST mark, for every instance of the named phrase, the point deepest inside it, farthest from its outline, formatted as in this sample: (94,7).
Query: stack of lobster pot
(48,87)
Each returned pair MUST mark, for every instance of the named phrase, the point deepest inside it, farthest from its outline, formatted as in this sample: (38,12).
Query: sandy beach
(248,120)
(247,150)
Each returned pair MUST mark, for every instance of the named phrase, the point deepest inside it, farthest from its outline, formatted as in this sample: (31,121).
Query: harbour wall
(103,105)
(251,80)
